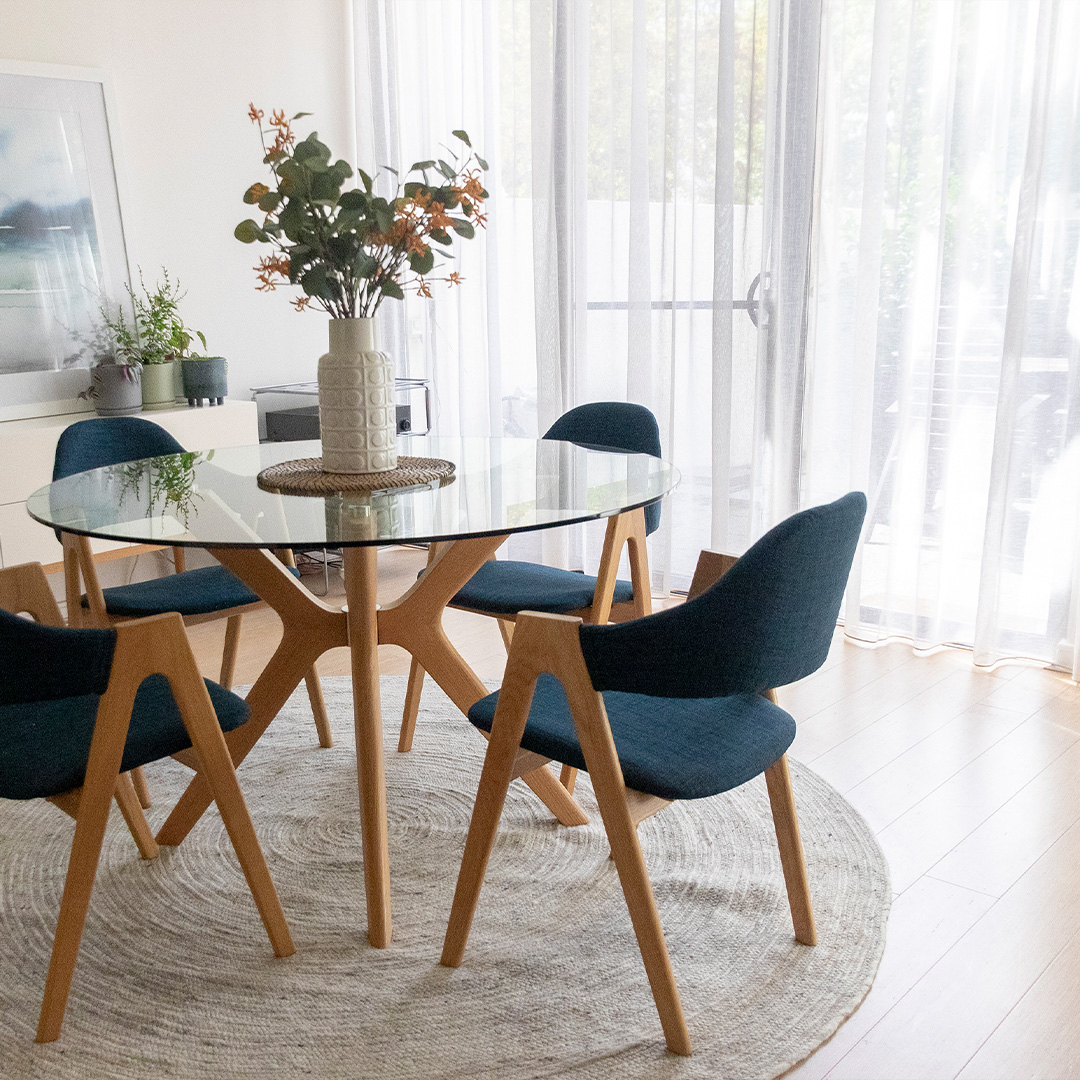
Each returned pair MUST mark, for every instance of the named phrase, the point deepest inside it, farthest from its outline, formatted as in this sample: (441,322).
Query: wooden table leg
(360,584)
(414,621)
(310,627)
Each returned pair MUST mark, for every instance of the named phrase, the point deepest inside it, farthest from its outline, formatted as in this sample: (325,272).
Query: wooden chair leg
(82,867)
(605,772)
(128,801)
(318,708)
(568,778)
(506,628)
(510,716)
(95,798)
(228,653)
(72,582)
(412,707)
(142,790)
(197,712)
(778,781)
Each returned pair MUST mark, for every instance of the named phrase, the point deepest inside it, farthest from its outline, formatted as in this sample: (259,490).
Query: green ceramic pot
(157,386)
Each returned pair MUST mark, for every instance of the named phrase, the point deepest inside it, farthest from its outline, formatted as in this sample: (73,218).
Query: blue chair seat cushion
(44,746)
(676,748)
(193,592)
(505,587)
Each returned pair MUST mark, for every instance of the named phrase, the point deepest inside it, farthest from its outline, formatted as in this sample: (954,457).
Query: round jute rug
(176,977)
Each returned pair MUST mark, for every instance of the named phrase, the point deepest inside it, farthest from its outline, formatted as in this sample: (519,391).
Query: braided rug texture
(176,977)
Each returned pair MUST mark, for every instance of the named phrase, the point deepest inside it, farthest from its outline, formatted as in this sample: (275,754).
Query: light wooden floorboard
(971,780)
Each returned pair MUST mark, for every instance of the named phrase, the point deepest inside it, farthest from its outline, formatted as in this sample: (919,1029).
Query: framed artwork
(62,248)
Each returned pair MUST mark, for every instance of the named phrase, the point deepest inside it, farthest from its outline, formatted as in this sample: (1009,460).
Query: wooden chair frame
(623,530)
(79,567)
(24,589)
(155,645)
(550,644)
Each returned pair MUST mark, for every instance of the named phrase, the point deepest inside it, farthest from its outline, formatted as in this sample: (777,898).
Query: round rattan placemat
(305,476)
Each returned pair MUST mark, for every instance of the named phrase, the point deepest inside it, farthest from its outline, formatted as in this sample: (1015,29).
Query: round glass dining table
(212,499)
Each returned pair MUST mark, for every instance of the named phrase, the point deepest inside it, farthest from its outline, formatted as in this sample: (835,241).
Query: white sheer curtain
(944,317)
(897,183)
(599,273)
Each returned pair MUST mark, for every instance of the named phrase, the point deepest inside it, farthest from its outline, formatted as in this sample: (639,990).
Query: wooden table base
(414,622)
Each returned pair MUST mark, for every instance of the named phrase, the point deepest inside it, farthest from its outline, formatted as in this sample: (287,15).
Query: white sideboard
(26,461)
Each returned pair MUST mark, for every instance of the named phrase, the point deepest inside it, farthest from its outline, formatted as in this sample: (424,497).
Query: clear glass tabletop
(211,498)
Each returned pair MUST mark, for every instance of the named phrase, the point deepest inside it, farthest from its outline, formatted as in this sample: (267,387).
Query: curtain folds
(832,244)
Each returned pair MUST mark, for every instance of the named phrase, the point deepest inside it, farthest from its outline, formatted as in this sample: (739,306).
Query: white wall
(182,73)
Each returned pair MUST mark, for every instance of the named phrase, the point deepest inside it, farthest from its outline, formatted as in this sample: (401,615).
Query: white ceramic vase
(357,418)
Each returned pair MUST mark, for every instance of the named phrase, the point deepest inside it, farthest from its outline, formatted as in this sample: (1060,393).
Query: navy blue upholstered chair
(207,594)
(679,705)
(503,587)
(79,709)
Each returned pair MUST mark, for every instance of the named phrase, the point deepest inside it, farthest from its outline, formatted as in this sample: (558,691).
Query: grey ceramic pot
(205,378)
(117,389)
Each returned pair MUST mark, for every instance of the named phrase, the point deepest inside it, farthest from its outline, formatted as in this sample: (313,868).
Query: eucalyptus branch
(350,249)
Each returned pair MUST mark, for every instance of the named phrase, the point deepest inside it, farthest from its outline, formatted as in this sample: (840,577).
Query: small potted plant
(204,377)
(159,329)
(116,372)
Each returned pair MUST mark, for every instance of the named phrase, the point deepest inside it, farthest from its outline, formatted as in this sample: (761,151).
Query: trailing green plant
(350,249)
(112,341)
(168,481)
(160,330)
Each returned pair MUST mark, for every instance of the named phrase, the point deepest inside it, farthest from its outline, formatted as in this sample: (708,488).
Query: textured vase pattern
(357,418)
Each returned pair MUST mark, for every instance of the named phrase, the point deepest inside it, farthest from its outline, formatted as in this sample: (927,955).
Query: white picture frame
(60,200)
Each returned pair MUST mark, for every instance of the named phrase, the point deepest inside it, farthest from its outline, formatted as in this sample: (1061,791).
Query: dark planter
(206,378)
(116,389)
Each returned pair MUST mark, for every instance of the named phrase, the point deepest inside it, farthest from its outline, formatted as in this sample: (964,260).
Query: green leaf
(342,249)
(300,114)
(293,220)
(314,283)
(247,232)
(269,202)
(249,195)
(481,162)
(325,188)
(342,170)
(365,179)
(462,228)
(412,189)
(312,154)
(391,288)
(463,136)
(353,200)
(421,165)
(422,264)
(384,217)
(448,171)
(440,236)
(365,266)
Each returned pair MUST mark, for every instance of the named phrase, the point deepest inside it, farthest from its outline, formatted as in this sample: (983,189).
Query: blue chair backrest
(767,622)
(111,440)
(613,425)
(47,663)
